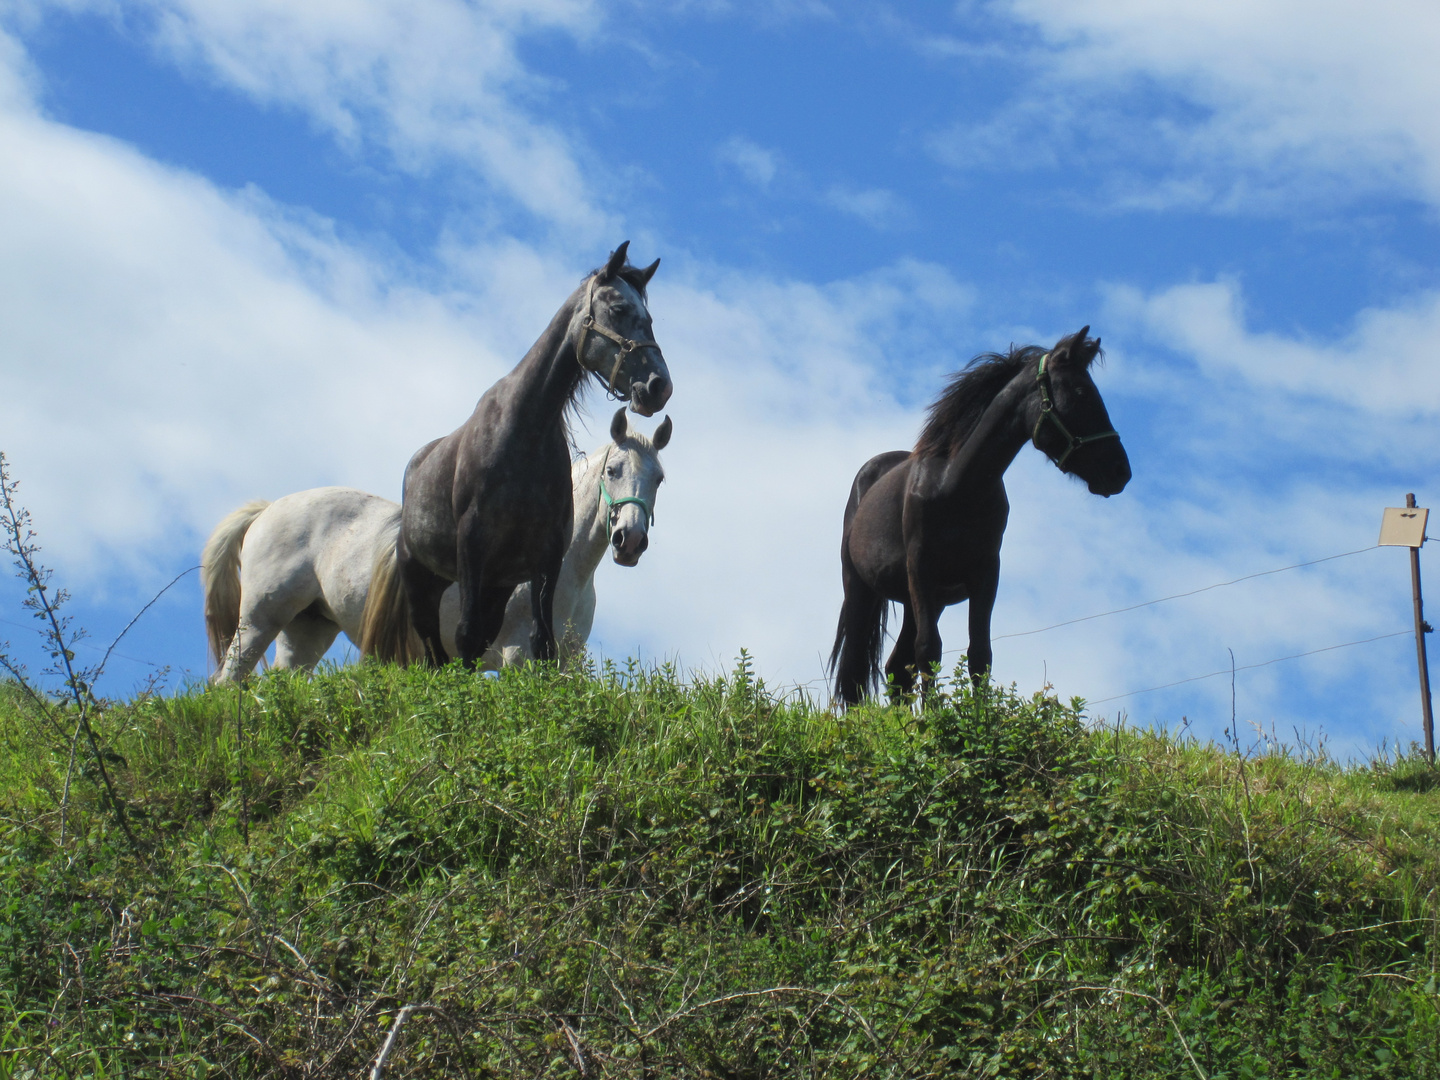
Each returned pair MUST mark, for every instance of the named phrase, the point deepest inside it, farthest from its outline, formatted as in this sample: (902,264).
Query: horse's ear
(648,273)
(661,438)
(619,427)
(1077,349)
(617,260)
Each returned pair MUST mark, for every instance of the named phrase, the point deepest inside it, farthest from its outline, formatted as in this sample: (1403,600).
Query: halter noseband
(1047,412)
(614,504)
(626,345)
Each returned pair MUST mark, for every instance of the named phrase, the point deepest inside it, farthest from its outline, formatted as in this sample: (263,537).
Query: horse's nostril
(658,388)
(617,538)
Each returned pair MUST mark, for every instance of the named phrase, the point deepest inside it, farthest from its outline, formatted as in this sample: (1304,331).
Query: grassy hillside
(616,873)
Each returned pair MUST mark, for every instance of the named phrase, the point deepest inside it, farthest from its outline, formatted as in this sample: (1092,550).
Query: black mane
(954,414)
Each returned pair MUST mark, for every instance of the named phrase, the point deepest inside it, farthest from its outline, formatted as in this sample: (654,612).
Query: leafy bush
(614,872)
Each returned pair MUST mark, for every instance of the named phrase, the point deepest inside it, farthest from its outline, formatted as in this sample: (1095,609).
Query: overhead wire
(1192,592)
(1196,592)
(1248,667)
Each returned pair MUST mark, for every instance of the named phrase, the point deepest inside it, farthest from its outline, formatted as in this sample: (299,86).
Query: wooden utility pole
(1420,629)
(1406,528)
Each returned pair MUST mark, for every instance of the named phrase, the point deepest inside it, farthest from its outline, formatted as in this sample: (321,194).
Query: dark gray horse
(924,527)
(489,506)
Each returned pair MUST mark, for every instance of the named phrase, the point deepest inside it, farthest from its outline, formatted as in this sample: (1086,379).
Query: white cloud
(167,353)
(427,80)
(171,349)
(755,163)
(1372,394)
(876,207)
(1237,104)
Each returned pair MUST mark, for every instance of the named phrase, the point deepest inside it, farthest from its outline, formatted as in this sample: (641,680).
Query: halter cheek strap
(626,345)
(1047,412)
(614,504)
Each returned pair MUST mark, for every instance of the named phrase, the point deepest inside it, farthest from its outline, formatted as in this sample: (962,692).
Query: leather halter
(626,345)
(1047,412)
(614,504)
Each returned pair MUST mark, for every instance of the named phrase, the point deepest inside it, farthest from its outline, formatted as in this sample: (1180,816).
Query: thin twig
(100,669)
(20,543)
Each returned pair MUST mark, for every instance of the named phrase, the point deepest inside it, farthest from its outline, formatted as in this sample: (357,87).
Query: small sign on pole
(1405,527)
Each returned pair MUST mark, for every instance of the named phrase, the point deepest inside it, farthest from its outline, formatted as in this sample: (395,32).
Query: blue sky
(247,249)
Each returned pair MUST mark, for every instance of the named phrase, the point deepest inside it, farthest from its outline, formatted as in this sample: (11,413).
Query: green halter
(614,504)
(1047,412)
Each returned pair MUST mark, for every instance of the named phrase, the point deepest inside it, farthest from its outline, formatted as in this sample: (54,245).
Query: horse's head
(629,478)
(1071,426)
(614,338)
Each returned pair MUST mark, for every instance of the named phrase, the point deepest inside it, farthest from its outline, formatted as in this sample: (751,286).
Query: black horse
(490,505)
(924,527)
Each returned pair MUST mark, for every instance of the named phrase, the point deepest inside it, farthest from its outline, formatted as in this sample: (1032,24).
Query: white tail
(220,575)
(385,630)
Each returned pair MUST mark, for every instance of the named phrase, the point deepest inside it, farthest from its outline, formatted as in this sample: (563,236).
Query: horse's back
(878,466)
(318,544)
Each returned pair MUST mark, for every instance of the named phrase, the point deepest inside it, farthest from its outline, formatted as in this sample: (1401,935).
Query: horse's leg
(983,586)
(900,668)
(423,589)
(928,647)
(576,630)
(542,599)
(511,646)
(305,641)
(482,603)
(270,601)
(482,614)
(858,638)
(247,648)
(542,610)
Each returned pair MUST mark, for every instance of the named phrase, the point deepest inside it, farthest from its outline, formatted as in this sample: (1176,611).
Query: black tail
(855,659)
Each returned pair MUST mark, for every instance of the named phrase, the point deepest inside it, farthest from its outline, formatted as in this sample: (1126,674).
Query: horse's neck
(988,450)
(591,536)
(545,381)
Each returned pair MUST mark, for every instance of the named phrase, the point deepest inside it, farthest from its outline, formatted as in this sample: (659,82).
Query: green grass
(616,873)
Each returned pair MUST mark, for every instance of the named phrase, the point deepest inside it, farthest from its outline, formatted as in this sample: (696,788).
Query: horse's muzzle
(649,397)
(628,545)
(1113,480)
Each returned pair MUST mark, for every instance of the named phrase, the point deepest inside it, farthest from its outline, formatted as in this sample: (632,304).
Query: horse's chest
(519,523)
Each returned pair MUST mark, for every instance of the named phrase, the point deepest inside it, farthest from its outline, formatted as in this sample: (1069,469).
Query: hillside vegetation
(620,873)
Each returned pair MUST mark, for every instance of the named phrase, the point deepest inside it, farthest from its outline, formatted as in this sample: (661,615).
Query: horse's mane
(954,414)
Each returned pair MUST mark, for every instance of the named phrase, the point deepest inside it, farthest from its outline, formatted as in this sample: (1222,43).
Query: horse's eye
(615,471)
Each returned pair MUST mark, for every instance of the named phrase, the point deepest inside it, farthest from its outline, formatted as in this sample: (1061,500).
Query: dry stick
(379,1068)
(574,1041)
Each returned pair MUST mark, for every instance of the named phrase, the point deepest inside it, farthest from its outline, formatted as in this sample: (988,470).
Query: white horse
(298,571)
